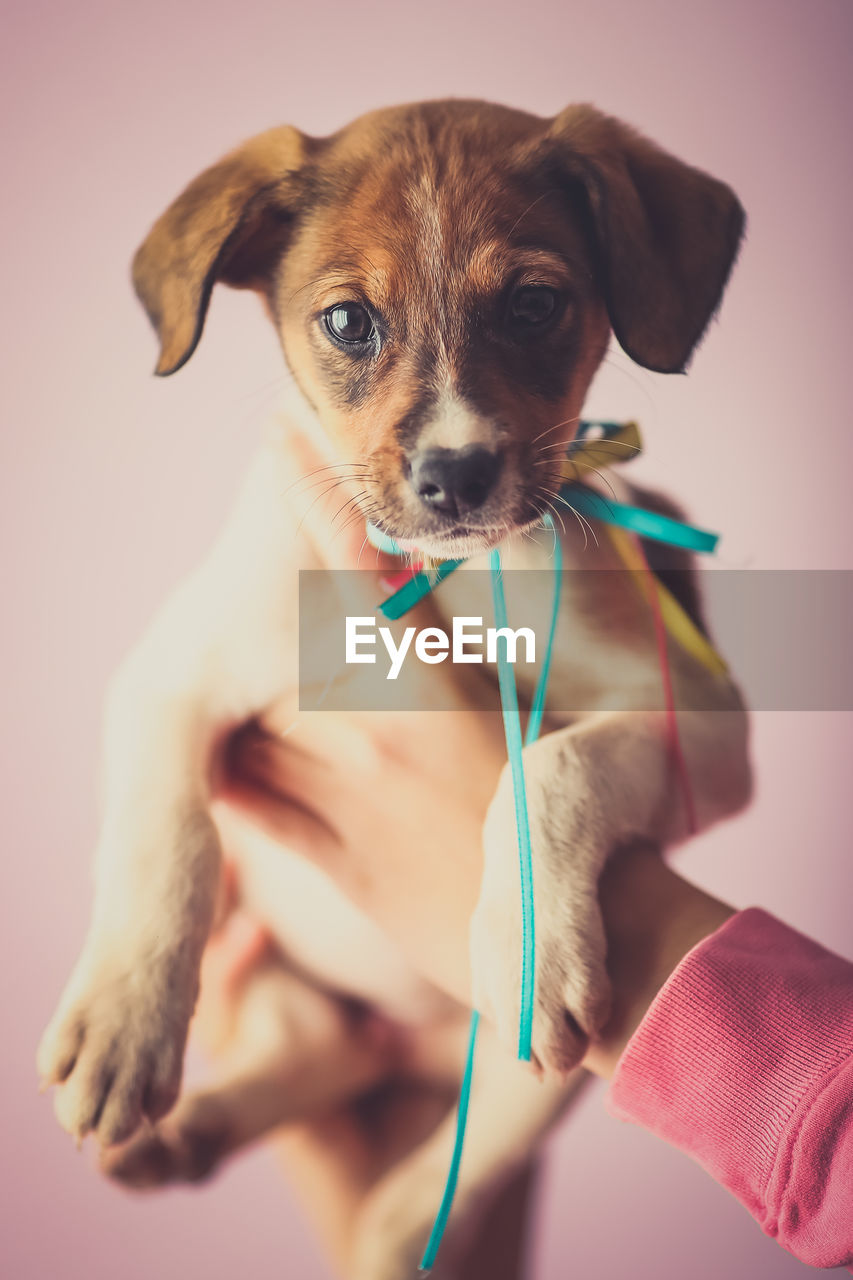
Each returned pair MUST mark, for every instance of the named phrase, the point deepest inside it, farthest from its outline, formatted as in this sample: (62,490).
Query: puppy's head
(444,279)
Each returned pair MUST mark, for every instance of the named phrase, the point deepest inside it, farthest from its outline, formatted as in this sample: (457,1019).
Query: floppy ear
(228,225)
(666,234)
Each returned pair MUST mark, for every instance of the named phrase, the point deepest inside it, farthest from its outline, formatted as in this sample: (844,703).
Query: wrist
(652,918)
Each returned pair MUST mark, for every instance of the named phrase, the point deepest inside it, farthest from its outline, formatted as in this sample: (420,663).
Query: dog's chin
(452,547)
(460,543)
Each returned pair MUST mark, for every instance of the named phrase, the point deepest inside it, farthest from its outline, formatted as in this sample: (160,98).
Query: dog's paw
(571,990)
(571,999)
(115,1045)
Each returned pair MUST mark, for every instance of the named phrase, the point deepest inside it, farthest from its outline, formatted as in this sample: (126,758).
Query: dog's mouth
(459,541)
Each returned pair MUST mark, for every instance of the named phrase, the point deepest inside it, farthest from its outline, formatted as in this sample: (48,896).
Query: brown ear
(228,225)
(666,234)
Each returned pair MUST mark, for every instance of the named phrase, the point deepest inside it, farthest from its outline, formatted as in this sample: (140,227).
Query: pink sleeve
(745,1062)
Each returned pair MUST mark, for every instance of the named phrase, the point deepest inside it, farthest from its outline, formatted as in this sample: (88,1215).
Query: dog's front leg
(117,1038)
(217,653)
(591,787)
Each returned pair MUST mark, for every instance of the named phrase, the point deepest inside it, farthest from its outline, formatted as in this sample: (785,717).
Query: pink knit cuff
(745,1061)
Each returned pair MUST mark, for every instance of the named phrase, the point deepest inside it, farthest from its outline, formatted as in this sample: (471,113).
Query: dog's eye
(531,306)
(349,322)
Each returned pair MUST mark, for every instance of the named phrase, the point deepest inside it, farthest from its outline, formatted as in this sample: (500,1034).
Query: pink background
(114,482)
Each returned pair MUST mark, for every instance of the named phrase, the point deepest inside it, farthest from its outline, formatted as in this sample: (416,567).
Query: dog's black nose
(455,481)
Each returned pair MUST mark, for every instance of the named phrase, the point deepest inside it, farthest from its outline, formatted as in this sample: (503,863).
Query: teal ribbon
(512,732)
(646,524)
(413,591)
(439,1226)
(537,707)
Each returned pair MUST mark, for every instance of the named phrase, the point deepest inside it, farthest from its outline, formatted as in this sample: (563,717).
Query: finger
(313,765)
(231,953)
(250,816)
(291,778)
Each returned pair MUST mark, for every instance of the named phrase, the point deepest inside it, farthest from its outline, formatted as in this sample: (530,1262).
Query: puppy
(444,279)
